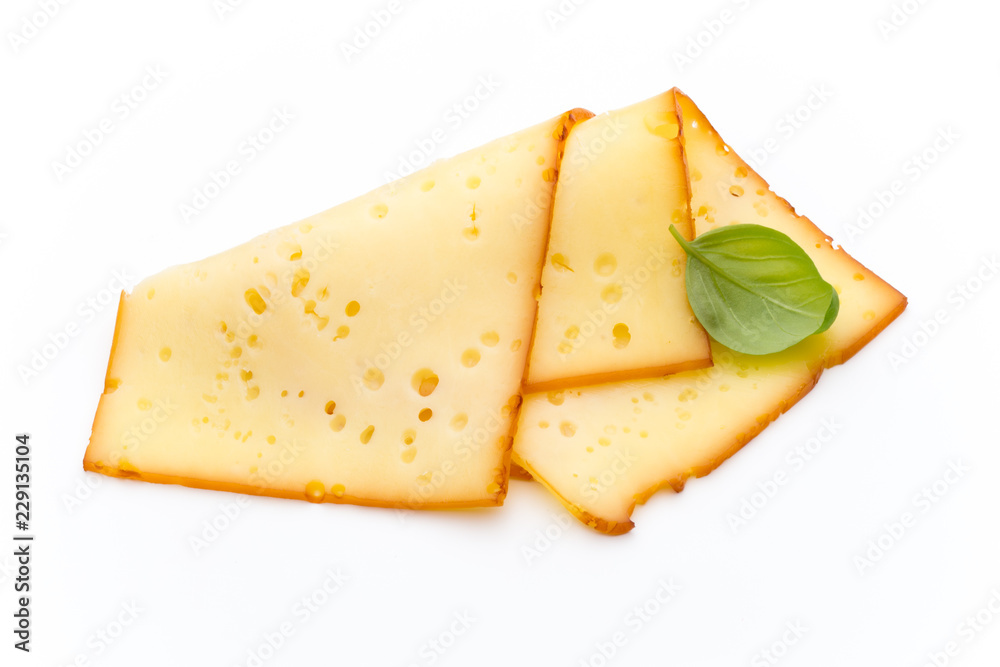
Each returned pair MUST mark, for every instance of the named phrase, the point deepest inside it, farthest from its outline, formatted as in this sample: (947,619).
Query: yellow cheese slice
(604,448)
(613,304)
(370,354)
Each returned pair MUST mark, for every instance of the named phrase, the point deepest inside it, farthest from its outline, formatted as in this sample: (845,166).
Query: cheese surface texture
(370,354)
(613,302)
(602,449)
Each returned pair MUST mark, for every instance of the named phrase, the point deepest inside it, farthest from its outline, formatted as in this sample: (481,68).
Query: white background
(886,96)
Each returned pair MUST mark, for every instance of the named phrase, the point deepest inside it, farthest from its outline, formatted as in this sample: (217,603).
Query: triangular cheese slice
(602,449)
(613,304)
(370,354)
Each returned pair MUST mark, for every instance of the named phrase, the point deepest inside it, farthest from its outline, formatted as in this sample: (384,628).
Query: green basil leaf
(831,313)
(755,290)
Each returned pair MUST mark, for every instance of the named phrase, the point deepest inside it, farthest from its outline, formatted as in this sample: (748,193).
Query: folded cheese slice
(370,354)
(613,304)
(601,449)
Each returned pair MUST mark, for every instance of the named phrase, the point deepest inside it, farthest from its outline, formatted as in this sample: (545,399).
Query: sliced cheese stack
(604,448)
(613,304)
(370,354)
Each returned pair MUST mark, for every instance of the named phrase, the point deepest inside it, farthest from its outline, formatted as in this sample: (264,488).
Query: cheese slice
(370,354)
(604,448)
(613,304)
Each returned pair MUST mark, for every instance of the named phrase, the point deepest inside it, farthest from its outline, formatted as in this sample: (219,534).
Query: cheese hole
(111,385)
(253,392)
(425,414)
(379,211)
(549,175)
(254,300)
(604,442)
(302,393)
(472,182)
(145,404)
(858,276)
(323,294)
(512,278)
(721,149)
(342,332)
(556,397)
(543,424)
(222,327)
(470,358)
(366,435)
(315,491)
(564,348)
(352,308)
(236,352)
(271,439)
(736,191)
(568,429)
(741,172)
(459,421)
(427,186)
(409,435)
(373,378)
(165,354)
(662,124)
(490,338)
(560,263)
(408,454)
(253,341)
(493,488)
(612,294)
(338,423)
(425,479)
(622,336)
(425,381)
(289,250)
(605,264)
(330,407)
(151,293)
(515,345)
(471,233)
(647,396)
(338,490)
(572,332)
(299,281)
(309,307)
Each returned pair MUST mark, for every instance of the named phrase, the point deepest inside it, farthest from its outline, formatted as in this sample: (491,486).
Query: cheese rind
(370,354)
(687,424)
(613,302)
